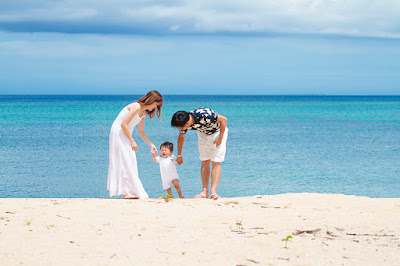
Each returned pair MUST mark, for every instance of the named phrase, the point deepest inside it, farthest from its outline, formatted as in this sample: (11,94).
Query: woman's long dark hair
(150,98)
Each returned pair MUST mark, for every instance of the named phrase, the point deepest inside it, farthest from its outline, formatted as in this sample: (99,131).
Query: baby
(169,175)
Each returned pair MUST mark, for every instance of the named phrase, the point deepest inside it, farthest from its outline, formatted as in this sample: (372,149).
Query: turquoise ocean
(57,146)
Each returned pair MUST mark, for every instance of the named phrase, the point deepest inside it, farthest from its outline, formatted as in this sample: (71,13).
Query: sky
(269,47)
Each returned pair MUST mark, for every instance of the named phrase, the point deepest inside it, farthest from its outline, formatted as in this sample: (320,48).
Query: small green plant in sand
(28,223)
(183,252)
(287,239)
(167,197)
(239,224)
(2,218)
(52,225)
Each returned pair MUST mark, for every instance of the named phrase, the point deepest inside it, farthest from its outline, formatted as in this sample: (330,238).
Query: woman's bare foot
(130,197)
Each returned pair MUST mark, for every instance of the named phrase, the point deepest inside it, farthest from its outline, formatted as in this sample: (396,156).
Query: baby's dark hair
(168,145)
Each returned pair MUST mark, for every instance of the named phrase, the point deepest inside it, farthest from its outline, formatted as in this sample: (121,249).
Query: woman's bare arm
(134,109)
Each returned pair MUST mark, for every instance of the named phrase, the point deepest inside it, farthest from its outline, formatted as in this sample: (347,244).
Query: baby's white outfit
(168,170)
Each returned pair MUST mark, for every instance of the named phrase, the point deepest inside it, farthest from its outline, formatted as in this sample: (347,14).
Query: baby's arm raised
(154,153)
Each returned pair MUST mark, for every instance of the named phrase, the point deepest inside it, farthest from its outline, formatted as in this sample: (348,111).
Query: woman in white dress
(123,176)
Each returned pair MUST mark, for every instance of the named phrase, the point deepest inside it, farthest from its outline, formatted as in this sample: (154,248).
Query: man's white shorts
(208,150)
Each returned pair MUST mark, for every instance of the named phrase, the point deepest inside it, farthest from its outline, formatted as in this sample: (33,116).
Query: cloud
(357,18)
(46,45)
(55,14)
(175,27)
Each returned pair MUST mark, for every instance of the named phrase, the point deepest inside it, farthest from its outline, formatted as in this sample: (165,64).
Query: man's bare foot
(202,195)
(130,197)
(182,197)
(215,196)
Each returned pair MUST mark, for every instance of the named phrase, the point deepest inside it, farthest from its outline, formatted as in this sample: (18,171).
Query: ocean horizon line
(216,95)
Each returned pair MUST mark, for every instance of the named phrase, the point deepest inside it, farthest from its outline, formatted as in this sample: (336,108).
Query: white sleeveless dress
(123,178)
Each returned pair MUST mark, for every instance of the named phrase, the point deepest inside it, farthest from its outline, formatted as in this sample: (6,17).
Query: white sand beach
(326,229)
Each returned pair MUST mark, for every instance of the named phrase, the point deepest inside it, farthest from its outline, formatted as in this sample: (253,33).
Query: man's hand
(179,160)
(218,141)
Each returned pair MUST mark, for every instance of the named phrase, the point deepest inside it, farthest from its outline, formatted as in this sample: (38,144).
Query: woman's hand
(134,145)
(153,149)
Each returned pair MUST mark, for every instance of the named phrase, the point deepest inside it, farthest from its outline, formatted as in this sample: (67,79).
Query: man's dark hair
(168,145)
(179,119)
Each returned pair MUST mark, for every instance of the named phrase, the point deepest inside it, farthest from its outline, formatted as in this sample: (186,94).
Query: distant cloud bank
(355,18)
